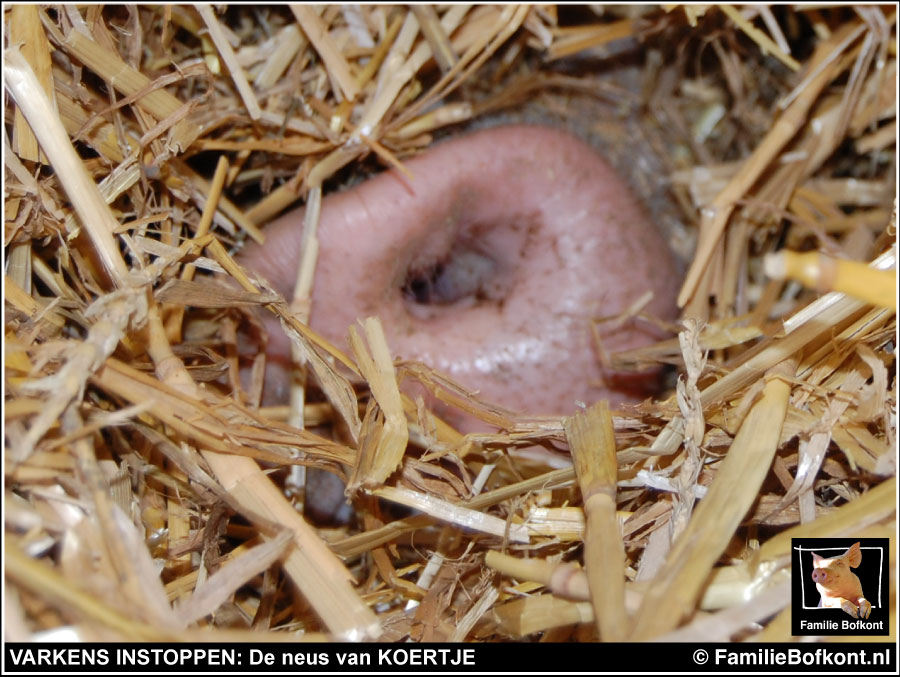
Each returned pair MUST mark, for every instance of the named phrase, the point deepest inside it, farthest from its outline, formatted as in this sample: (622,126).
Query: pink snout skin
(820,577)
(488,266)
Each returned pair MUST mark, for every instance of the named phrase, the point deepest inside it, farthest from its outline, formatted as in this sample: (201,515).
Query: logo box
(808,618)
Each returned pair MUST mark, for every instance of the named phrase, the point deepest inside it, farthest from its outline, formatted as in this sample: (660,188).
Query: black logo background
(873,572)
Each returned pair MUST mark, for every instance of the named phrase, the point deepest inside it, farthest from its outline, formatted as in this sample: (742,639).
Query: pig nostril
(465,274)
(419,285)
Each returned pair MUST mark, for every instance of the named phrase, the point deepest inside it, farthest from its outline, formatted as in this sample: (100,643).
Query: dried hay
(149,497)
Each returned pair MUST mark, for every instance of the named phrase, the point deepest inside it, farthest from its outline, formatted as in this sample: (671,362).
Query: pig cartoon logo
(838,586)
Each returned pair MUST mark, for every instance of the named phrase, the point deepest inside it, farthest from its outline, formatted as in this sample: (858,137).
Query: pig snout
(820,576)
(489,264)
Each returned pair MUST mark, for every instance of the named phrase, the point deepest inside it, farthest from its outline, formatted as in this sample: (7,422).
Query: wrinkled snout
(490,265)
